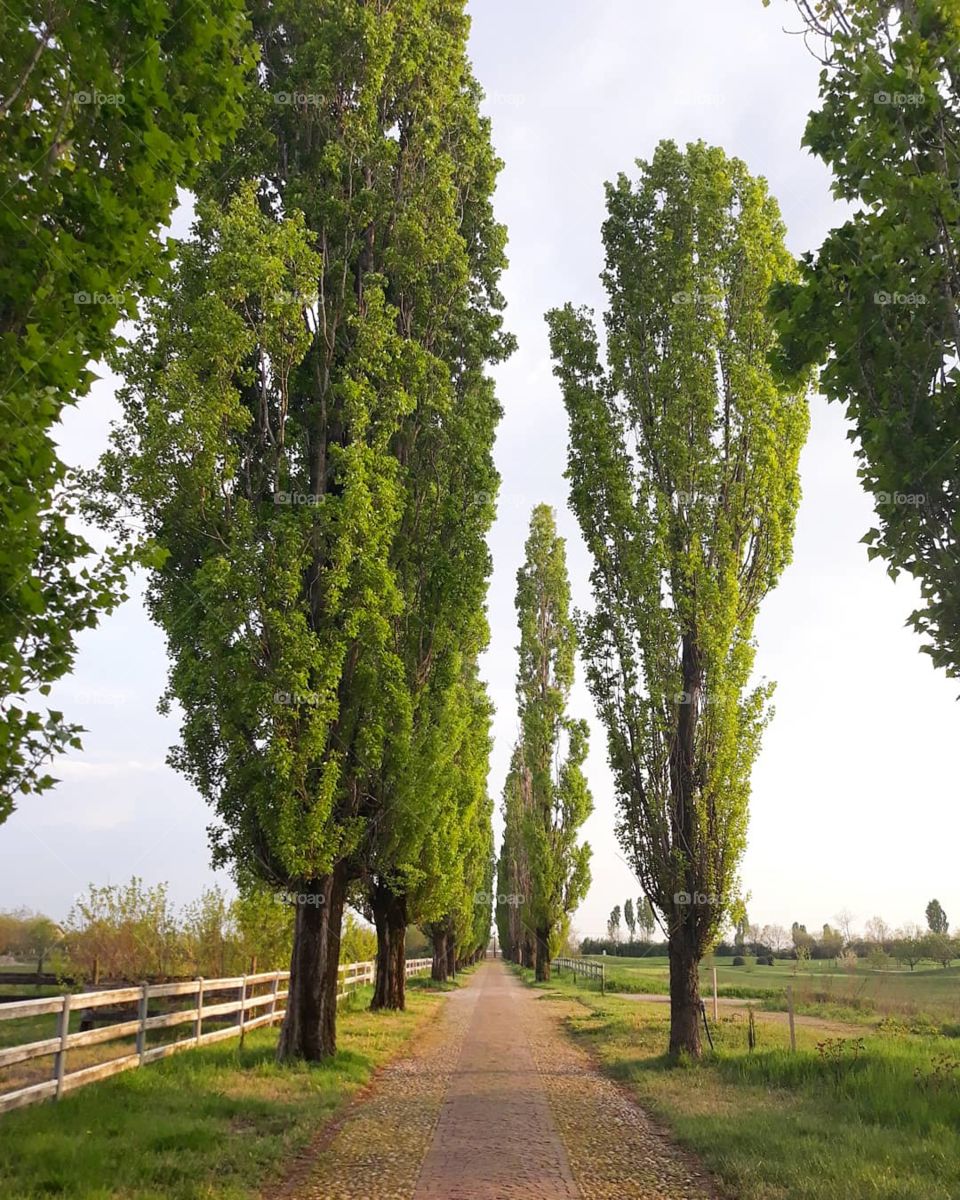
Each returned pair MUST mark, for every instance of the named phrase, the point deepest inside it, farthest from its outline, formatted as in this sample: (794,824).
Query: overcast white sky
(855,794)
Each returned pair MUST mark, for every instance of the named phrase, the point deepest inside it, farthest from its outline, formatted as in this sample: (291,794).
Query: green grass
(927,995)
(877,1117)
(208,1124)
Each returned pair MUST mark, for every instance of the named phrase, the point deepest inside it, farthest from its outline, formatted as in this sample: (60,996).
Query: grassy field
(928,995)
(217,1122)
(845,1118)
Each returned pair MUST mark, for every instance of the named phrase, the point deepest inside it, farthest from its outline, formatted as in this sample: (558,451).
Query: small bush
(739,961)
(765,960)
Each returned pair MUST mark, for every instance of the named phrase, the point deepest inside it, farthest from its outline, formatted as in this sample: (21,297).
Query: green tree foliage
(460,891)
(630,918)
(320,612)
(552,746)
(646,920)
(514,880)
(439,557)
(936,918)
(878,303)
(683,475)
(125,932)
(613,924)
(39,938)
(106,109)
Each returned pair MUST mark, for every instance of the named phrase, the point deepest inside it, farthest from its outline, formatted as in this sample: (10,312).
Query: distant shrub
(765,960)
(739,961)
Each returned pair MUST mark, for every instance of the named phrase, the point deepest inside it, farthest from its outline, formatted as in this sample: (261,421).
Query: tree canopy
(107,109)
(877,305)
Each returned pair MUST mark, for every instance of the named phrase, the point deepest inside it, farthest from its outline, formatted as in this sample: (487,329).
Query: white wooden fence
(581,966)
(264,1009)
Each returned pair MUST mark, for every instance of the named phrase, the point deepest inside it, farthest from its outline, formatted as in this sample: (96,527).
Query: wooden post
(243,1006)
(601,979)
(63,1031)
(142,1017)
(273,1002)
(716,1008)
(198,1023)
(793,1032)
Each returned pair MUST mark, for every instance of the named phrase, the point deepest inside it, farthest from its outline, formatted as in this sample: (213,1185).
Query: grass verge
(209,1124)
(845,1118)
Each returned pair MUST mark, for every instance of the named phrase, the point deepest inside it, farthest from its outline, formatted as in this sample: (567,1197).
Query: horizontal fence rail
(256,1000)
(581,966)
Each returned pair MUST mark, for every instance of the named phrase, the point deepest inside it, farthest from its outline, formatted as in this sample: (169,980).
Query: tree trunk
(309,1028)
(390,918)
(527,956)
(684,942)
(438,969)
(543,954)
(684,994)
(451,956)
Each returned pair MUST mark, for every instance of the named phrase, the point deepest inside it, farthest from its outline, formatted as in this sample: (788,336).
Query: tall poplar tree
(294,611)
(106,109)
(514,883)
(683,475)
(552,745)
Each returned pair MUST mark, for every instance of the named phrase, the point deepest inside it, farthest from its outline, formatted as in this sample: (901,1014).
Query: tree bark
(527,956)
(390,918)
(438,969)
(684,940)
(451,956)
(543,954)
(309,1029)
(684,994)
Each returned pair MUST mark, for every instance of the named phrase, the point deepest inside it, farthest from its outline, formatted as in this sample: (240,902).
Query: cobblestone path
(495,1102)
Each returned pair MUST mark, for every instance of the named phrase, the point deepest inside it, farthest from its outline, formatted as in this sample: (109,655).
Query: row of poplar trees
(307,442)
(543,872)
(304,458)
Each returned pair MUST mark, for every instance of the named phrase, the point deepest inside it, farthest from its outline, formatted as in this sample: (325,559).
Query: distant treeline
(133,931)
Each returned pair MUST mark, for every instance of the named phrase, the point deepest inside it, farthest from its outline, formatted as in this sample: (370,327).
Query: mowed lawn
(929,992)
(844,1118)
(216,1123)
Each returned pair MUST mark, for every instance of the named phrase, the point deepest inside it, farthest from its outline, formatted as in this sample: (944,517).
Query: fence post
(63,1031)
(793,1032)
(273,1002)
(142,1017)
(716,1009)
(198,1023)
(601,979)
(243,1008)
